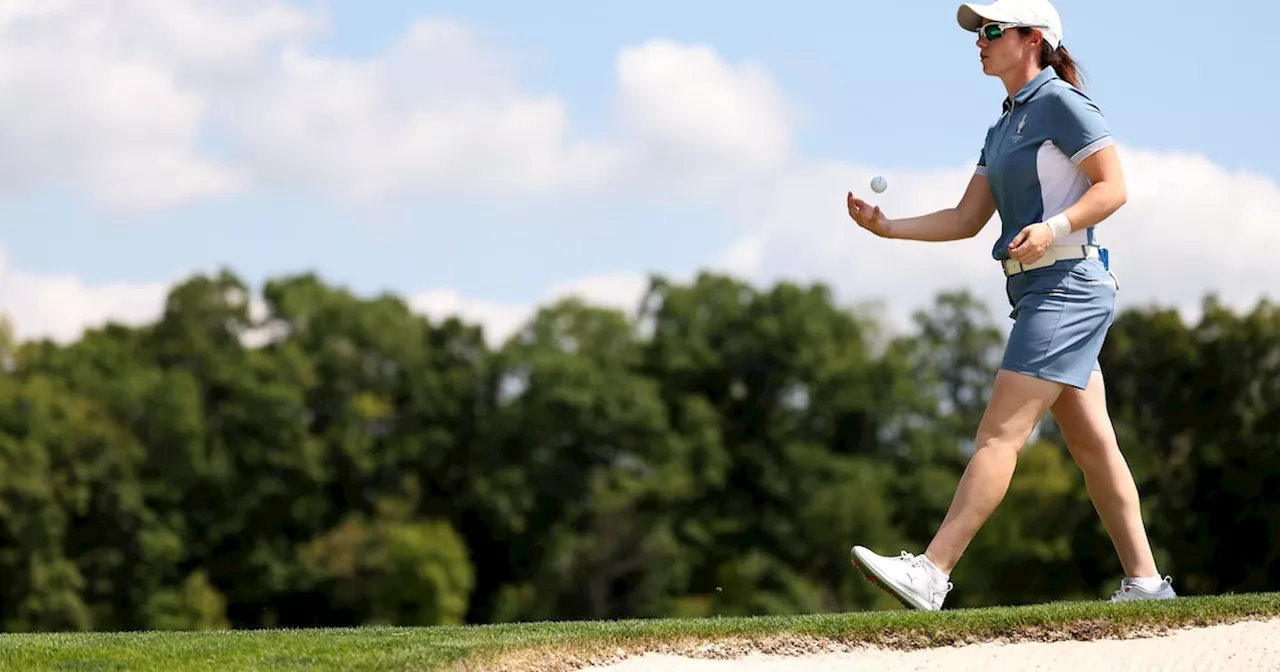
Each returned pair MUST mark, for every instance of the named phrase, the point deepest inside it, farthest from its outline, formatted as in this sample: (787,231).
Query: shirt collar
(1029,89)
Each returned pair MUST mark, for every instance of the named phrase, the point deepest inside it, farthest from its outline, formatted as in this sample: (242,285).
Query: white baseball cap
(1039,14)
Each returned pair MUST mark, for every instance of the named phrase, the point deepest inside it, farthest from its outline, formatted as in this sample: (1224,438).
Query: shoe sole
(870,575)
(1145,599)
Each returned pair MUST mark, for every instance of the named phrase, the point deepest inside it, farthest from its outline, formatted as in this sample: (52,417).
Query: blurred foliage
(346,461)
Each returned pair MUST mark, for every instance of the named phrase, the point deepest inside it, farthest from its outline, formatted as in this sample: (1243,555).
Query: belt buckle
(1049,258)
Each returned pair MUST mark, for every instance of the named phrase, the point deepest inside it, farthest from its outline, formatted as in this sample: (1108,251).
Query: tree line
(715,453)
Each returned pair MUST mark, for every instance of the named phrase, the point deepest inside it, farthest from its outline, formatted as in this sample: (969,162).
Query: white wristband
(1059,225)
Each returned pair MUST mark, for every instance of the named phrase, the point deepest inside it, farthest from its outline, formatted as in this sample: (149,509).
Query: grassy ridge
(567,645)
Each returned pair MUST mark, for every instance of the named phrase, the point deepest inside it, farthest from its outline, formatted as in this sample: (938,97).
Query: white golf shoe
(909,578)
(1130,591)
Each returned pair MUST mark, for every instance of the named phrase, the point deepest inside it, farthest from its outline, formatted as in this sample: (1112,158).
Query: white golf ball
(878,184)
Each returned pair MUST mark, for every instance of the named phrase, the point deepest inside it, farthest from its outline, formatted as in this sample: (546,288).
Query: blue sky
(864,72)
(884,86)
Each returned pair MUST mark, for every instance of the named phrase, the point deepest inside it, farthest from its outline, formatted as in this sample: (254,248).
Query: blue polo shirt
(1032,154)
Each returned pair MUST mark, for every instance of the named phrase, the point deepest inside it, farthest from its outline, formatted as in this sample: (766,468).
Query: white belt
(1054,254)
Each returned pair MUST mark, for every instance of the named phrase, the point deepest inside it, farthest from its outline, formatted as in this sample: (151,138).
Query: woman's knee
(1018,403)
(1090,451)
(1082,417)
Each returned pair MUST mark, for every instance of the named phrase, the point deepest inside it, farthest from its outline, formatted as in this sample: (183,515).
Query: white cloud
(499,320)
(61,307)
(437,111)
(688,110)
(1190,228)
(105,97)
(801,230)
(125,100)
(153,104)
(621,291)
(441,110)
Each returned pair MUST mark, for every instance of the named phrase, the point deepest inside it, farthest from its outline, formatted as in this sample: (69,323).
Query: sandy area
(1240,647)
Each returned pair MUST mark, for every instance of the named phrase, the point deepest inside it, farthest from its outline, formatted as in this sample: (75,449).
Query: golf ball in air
(878,184)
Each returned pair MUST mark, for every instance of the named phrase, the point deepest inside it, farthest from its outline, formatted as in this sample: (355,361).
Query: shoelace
(915,564)
(1126,584)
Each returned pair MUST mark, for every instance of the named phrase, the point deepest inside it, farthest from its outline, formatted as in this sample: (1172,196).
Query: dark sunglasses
(994,31)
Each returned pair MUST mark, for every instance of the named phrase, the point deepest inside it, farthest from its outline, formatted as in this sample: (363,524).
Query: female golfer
(1049,166)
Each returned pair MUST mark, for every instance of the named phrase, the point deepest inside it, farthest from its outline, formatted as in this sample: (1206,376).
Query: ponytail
(1059,60)
(1062,63)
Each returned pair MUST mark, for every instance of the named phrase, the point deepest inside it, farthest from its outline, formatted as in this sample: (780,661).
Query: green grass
(564,645)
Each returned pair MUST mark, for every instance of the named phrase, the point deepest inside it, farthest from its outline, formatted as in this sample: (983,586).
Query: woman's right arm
(963,221)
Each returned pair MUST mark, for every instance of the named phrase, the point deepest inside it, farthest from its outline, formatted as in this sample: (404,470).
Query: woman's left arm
(1081,131)
(1105,195)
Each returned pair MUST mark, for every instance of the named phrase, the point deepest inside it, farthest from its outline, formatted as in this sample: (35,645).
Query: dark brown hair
(1059,60)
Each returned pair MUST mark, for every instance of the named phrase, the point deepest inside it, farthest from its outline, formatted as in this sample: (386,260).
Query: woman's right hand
(868,217)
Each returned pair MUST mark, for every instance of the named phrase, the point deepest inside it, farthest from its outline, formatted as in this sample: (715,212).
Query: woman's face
(1006,50)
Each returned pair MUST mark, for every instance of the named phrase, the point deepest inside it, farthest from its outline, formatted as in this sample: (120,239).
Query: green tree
(321,458)
(804,407)
(391,570)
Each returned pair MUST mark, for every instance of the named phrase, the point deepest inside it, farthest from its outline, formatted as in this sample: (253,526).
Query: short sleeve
(1079,129)
(981,168)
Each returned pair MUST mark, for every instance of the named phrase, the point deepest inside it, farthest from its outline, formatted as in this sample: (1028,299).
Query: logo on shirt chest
(1017,131)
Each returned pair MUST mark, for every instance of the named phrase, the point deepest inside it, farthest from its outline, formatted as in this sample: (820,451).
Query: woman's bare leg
(1018,402)
(1091,439)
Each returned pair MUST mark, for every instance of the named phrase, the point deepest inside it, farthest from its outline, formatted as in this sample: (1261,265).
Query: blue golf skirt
(1061,316)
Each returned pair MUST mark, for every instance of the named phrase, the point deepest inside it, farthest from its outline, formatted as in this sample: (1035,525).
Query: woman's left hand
(1031,243)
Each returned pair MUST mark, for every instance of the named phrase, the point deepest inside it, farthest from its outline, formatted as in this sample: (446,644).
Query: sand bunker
(1239,647)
